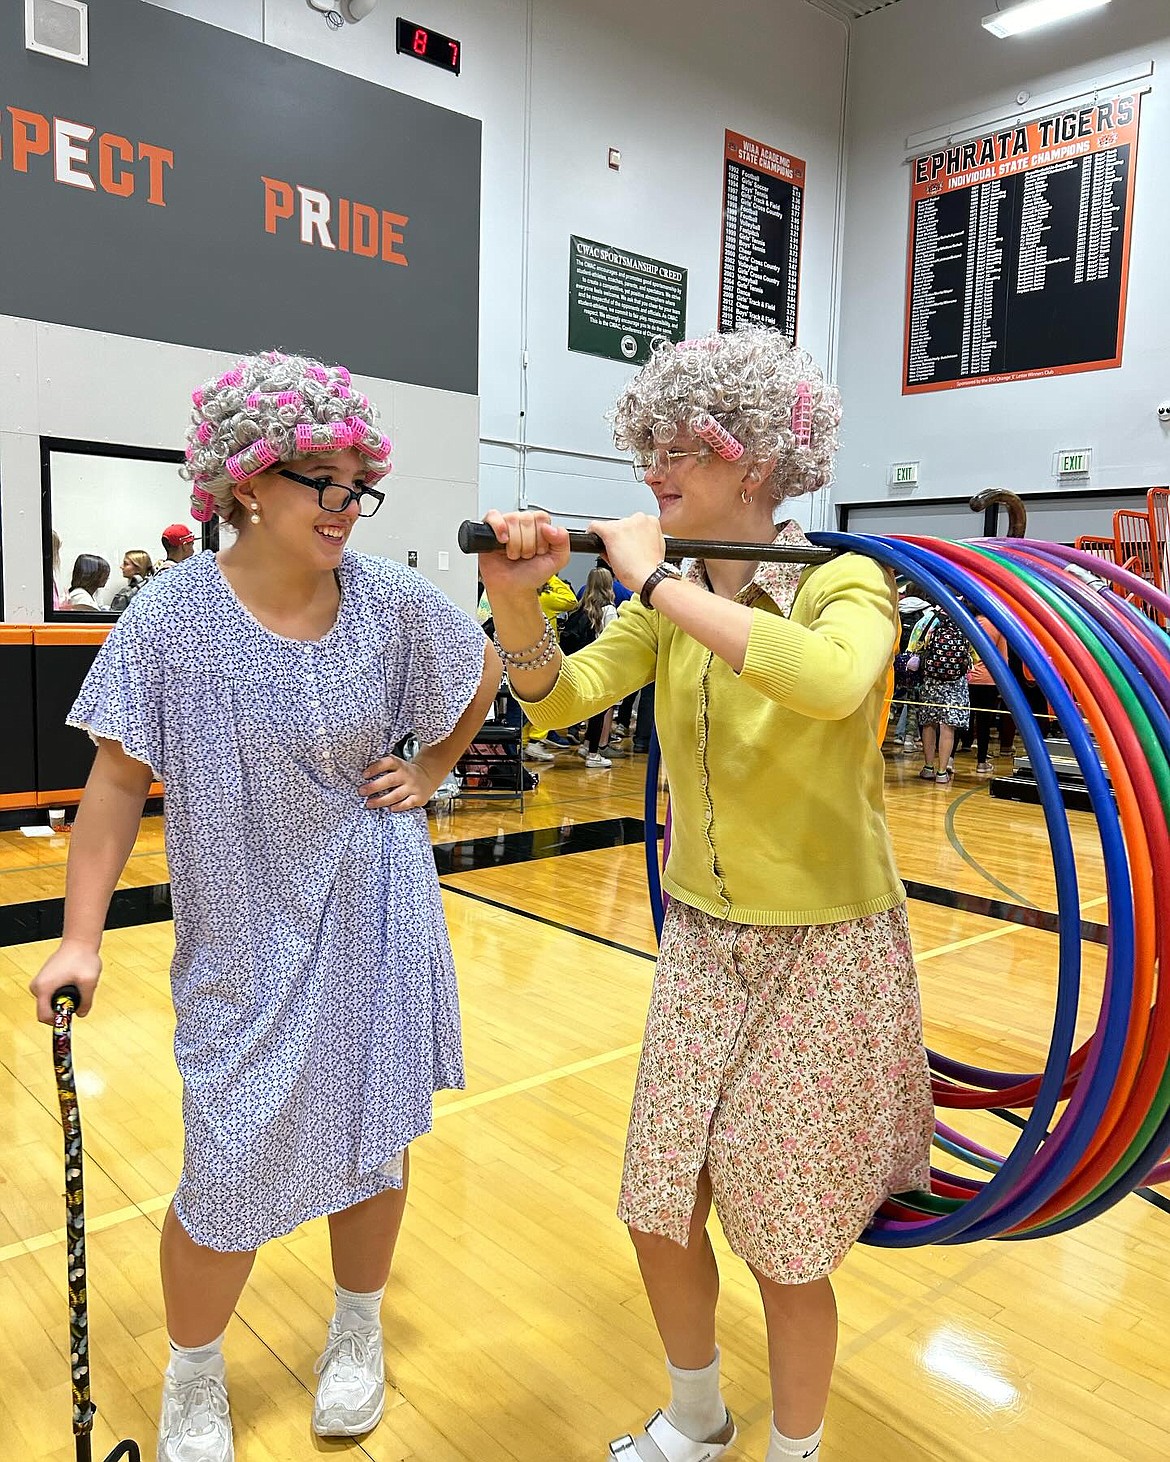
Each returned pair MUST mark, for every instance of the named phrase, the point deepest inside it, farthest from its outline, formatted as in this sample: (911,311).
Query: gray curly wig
(268,409)
(748,381)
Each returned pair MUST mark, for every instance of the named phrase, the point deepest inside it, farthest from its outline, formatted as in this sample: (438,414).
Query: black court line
(1159,1200)
(549,923)
(1026,914)
(151,904)
(559,841)
(44,918)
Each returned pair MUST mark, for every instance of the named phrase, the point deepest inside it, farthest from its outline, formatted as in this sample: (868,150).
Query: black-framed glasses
(335,497)
(660,461)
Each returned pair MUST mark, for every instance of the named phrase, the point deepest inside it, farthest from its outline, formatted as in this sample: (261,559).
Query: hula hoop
(1104,669)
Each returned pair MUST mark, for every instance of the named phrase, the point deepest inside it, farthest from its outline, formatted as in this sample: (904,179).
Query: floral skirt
(946,703)
(788,1062)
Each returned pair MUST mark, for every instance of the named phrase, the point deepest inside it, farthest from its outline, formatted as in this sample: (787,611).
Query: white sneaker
(582,751)
(351,1394)
(537,751)
(195,1425)
(595,762)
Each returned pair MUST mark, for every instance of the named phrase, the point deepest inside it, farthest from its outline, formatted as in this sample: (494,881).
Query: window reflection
(116,517)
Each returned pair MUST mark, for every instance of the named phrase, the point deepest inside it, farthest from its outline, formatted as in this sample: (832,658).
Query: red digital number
(454,52)
(421,38)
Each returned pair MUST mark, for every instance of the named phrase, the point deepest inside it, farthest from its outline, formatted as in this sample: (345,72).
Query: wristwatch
(664,570)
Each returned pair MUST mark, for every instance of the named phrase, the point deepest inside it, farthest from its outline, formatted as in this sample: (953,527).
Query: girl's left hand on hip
(397,785)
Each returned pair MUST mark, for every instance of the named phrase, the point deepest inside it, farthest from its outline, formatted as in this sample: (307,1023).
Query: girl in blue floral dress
(268,686)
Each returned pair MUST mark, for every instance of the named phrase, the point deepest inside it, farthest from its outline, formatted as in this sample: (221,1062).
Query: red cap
(176,535)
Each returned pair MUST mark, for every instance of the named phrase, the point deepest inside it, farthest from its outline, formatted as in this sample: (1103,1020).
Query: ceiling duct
(853,9)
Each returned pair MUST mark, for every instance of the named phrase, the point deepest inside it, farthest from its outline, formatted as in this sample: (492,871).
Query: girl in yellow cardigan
(783,1076)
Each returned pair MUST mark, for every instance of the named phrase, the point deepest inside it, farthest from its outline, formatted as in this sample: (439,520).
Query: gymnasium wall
(149,233)
(917,67)
(556,83)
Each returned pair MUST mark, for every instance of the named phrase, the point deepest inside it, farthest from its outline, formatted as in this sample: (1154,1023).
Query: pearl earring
(255,512)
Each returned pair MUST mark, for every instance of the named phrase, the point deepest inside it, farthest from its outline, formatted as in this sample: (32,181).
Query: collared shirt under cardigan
(776,774)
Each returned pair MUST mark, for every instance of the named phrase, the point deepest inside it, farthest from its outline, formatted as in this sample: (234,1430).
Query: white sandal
(671,1443)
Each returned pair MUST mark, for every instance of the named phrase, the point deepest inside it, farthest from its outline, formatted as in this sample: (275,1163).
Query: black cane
(64,1002)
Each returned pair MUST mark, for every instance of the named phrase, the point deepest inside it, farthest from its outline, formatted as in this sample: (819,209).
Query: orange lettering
(391,236)
(343,224)
(157,158)
(30,137)
(278,203)
(365,230)
(115,179)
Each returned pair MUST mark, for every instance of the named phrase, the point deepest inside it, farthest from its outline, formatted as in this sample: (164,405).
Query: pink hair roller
(252,401)
(252,460)
(342,434)
(189,452)
(231,378)
(314,438)
(317,373)
(290,398)
(366,438)
(206,432)
(802,415)
(202,505)
(197,396)
(343,376)
(718,438)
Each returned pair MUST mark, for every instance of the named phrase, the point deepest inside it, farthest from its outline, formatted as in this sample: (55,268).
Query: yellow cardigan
(776,774)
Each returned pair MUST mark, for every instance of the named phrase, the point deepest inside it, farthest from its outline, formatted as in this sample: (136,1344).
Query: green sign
(620,304)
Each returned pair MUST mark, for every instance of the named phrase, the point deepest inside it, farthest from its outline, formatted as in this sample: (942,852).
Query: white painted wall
(923,64)
(56,381)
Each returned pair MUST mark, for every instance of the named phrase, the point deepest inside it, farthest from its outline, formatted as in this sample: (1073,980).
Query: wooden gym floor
(515,1323)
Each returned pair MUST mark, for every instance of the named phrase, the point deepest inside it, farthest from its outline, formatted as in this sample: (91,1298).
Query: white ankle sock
(196,1360)
(782,1448)
(366,1309)
(696,1406)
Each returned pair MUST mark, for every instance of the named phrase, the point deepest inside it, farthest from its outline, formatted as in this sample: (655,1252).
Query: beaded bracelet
(522,659)
(538,664)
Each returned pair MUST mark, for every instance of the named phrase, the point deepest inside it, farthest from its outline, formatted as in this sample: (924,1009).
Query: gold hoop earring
(744,498)
(255,512)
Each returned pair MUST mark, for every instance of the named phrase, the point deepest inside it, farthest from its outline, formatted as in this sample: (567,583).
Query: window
(105,509)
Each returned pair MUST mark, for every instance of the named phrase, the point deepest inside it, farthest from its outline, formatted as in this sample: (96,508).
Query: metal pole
(479,538)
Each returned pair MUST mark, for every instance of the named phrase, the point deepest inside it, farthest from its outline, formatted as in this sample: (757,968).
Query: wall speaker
(58,28)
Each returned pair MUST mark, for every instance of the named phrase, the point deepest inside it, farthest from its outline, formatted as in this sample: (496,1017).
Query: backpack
(577,631)
(946,654)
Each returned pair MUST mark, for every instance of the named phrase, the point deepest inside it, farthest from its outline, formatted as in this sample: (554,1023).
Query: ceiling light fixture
(1030,15)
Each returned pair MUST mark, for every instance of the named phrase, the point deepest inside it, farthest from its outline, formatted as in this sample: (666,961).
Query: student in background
(178,544)
(91,573)
(136,569)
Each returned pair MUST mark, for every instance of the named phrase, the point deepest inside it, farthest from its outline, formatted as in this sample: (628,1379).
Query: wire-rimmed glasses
(660,461)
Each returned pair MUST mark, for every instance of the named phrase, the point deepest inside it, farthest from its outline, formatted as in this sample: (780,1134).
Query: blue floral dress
(314,987)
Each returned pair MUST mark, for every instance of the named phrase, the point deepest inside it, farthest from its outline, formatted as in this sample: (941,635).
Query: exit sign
(904,474)
(1074,464)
